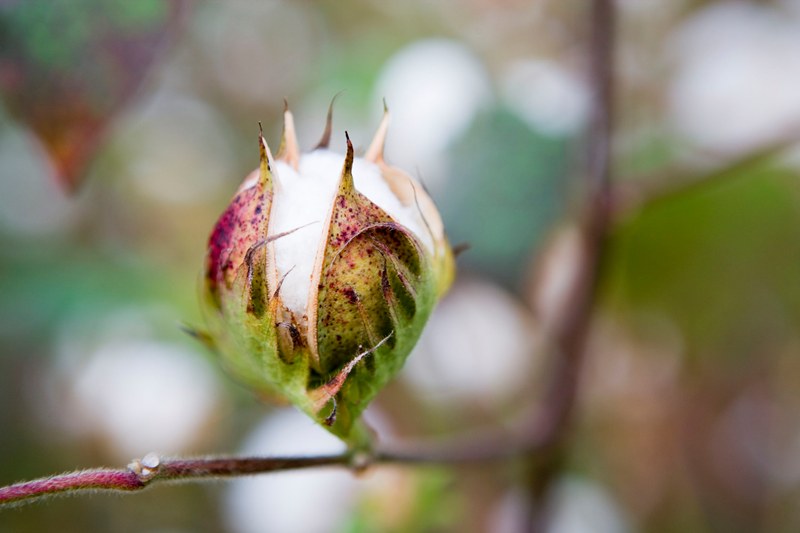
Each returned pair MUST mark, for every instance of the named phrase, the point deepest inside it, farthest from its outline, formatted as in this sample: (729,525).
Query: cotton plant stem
(152,470)
(85,480)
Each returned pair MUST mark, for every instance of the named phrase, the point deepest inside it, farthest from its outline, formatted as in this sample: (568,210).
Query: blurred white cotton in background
(556,272)
(792,6)
(582,506)
(145,395)
(635,6)
(132,391)
(178,147)
(302,501)
(317,500)
(236,41)
(436,86)
(548,97)
(737,77)
(577,505)
(477,346)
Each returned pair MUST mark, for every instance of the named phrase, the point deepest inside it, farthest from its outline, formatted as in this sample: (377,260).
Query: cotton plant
(320,276)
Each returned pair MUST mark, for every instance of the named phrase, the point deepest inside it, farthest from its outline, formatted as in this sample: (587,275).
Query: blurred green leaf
(507,186)
(38,295)
(721,262)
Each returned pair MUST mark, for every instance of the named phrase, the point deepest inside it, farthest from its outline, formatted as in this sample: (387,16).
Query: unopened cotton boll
(321,274)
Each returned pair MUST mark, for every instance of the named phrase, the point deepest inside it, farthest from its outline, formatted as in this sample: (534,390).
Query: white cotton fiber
(302,202)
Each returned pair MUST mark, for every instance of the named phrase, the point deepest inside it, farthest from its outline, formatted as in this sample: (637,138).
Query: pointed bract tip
(262,146)
(289,150)
(325,140)
(265,161)
(347,171)
(263,149)
(375,150)
(349,156)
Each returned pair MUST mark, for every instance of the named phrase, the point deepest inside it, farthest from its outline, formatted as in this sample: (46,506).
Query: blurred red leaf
(67,66)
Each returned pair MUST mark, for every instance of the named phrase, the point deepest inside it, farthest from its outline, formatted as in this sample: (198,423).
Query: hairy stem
(152,470)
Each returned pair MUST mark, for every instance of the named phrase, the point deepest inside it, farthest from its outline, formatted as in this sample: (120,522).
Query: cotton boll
(306,501)
(738,69)
(319,261)
(478,346)
(440,86)
(303,203)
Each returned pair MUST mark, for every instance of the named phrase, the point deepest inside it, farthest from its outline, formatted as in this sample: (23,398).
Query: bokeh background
(125,127)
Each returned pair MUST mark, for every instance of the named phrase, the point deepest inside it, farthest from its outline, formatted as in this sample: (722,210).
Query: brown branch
(567,339)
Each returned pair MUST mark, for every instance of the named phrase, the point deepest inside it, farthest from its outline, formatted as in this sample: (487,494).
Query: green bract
(372,280)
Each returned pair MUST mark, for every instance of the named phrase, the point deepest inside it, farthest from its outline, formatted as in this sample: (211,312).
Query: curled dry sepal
(321,274)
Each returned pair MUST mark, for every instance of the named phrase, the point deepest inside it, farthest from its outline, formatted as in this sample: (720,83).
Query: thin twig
(569,335)
(152,470)
(568,338)
(641,193)
(84,480)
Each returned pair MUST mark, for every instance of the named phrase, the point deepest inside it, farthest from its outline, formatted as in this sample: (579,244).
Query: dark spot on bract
(350,294)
